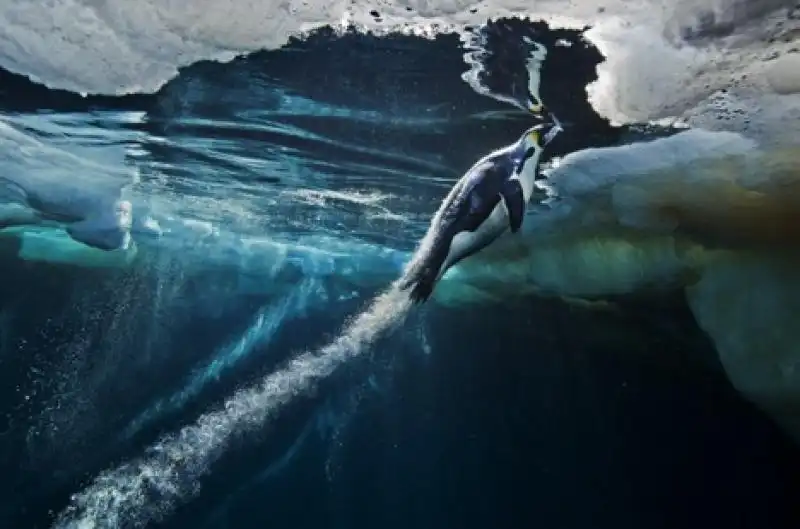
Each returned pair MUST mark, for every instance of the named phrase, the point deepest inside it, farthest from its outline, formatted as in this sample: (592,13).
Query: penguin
(489,199)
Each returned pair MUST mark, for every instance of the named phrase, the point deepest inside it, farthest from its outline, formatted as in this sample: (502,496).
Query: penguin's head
(533,141)
(539,136)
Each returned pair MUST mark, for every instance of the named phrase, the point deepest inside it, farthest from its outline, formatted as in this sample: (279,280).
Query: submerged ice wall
(706,212)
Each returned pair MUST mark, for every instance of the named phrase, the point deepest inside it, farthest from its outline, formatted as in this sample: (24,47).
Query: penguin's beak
(555,128)
(550,135)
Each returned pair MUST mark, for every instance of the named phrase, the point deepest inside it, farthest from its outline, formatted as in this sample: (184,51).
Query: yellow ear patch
(534,136)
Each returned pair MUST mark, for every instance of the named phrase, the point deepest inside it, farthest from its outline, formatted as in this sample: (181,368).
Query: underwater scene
(446,264)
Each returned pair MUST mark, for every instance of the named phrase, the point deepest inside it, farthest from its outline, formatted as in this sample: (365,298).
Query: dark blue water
(537,413)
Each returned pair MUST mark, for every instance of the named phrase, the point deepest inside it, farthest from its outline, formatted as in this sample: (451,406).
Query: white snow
(125,46)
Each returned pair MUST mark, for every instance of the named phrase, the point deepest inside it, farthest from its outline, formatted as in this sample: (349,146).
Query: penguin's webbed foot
(421,291)
(421,286)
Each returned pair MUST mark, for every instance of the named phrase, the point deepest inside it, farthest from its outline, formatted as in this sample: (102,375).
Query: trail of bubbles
(147,489)
(259,333)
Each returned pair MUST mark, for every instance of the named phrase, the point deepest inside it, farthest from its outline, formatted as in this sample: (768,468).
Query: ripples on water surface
(273,196)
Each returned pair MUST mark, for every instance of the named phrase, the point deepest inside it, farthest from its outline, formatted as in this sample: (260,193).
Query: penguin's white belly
(465,242)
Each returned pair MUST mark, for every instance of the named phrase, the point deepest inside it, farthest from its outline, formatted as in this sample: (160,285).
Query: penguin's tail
(420,285)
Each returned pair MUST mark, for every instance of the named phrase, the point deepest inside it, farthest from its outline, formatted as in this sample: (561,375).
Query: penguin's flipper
(515,203)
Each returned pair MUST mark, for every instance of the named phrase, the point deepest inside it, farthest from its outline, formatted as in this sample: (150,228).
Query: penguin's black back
(466,208)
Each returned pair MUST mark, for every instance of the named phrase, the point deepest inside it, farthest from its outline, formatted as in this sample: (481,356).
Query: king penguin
(489,199)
